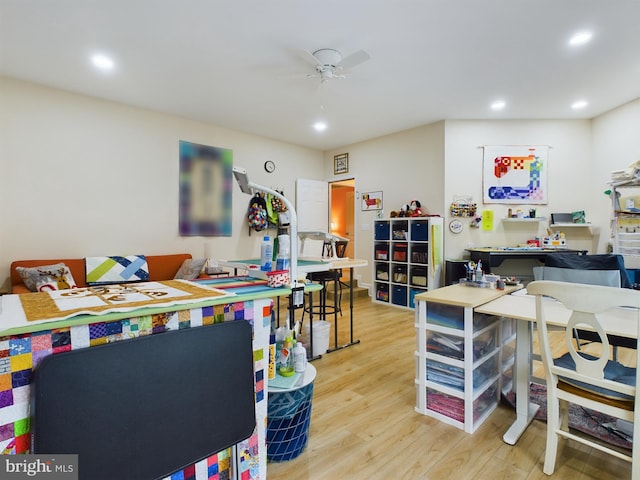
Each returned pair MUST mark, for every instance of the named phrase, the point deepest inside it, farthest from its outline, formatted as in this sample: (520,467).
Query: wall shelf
(570,225)
(523,220)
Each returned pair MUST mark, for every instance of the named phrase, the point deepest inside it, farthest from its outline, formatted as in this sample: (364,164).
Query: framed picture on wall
(341,163)
(372,201)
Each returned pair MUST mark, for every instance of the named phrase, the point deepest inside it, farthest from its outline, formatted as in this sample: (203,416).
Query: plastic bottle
(286,359)
(282,260)
(299,357)
(266,252)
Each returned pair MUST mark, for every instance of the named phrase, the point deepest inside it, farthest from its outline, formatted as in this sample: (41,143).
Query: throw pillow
(47,277)
(116,269)
(190,269)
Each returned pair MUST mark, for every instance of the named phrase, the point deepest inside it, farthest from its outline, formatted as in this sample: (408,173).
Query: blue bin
(382,231)
(420,231)
(288,419)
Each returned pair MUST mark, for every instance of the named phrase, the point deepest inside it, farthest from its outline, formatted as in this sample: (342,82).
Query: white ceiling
(236,64)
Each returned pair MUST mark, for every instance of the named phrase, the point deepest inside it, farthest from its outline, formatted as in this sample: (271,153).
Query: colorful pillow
(114,269)
(190,269)
(47,277)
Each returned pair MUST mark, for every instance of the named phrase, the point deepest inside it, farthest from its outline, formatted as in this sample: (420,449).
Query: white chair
(591,381)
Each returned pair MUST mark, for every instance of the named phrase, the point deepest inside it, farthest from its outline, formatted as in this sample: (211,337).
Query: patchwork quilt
(96,300)
(115,269)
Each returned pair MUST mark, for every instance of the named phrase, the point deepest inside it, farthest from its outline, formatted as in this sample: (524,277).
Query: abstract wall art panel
(205,190)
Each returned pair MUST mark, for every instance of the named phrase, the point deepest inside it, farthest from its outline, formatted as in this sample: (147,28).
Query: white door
(312,207)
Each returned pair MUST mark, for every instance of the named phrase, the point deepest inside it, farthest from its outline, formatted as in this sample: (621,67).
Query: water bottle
(266,252)
(282,260)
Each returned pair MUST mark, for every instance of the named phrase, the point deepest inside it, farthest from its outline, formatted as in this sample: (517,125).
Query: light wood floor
(364,426)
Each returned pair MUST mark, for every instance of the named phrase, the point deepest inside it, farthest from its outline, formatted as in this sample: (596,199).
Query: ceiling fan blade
(308,57)
(354,59)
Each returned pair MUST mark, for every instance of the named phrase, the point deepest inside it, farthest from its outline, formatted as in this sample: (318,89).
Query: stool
(328,277)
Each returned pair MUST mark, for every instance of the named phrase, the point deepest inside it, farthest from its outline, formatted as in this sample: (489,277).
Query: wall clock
(269,166)
(455,226)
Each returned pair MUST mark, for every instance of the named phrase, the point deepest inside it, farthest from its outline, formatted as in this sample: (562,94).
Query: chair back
(589,307)
(341,248)
(604,263)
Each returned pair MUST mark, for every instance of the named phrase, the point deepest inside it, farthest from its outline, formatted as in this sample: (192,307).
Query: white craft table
(522,308)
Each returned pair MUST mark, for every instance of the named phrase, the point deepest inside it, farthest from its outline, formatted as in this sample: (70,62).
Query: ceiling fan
(329,63)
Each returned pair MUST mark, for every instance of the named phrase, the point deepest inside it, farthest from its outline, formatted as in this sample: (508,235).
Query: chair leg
(564,415)
(553,423)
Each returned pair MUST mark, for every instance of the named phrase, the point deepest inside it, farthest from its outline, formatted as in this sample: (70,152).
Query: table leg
(351,340)
(525,410)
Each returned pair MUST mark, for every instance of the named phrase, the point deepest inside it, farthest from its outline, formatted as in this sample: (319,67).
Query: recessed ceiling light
(579,104)
(498,105)
(320,126)
(580,38)
(103,62)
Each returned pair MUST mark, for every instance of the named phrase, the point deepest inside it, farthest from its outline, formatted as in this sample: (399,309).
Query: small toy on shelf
(415,209)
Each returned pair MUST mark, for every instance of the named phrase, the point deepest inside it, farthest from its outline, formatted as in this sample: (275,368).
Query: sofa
(161,267)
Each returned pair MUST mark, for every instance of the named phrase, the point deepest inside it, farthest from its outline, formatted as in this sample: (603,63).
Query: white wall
(569,181)
(405,166)
(81,176)
(436,162)
(616,145)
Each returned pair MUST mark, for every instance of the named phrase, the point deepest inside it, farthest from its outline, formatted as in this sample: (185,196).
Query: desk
(494,256)
(458,368)
(523,308)
(308,266)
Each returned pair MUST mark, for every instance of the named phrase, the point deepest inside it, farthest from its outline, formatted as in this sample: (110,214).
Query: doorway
(342,212)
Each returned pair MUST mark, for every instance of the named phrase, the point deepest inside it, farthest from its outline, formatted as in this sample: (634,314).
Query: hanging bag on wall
(257,213)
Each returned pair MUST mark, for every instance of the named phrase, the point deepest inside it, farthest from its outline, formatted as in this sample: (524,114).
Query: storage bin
(399,274)
(486,371)
(382,230)
(419,276)
(485,343)
(419,254)
(382,252)
(382,292)
(288,419)
(399,252)
(445,315)
(448,405)
(446,375)
(382,271)
(420,231)
(485,402)
(446,345)
(412,296)
(399,230)
(482,321)
(399,295)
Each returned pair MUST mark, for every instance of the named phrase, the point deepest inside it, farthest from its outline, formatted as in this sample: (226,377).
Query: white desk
(523,308)
(309,265)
